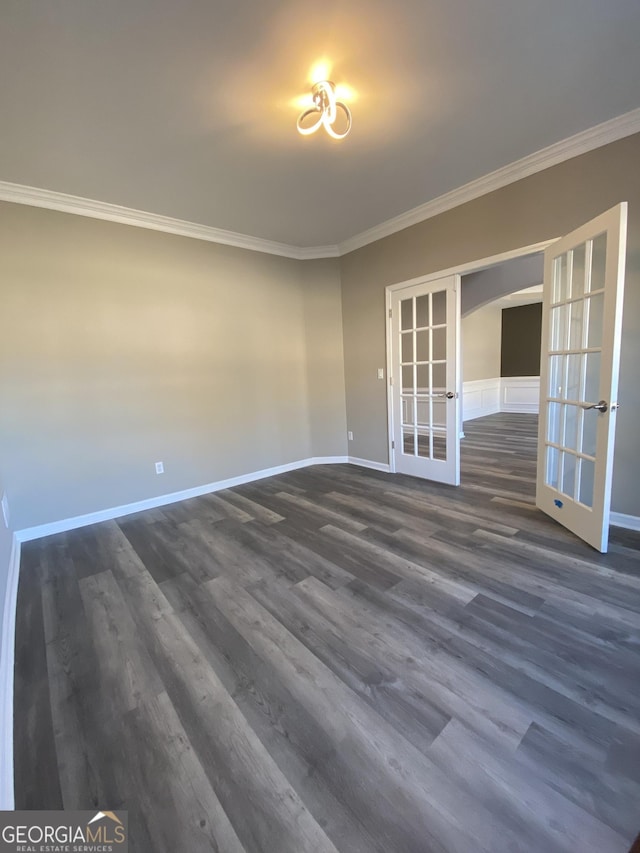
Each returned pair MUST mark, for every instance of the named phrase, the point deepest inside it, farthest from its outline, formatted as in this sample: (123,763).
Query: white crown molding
(581,143)
(311,253)
(588,140)
(155,222)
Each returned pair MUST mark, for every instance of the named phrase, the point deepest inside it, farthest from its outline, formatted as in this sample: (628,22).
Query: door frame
(459,269)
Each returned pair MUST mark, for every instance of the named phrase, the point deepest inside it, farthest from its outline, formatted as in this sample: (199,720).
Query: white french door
(581,331)
(424,336)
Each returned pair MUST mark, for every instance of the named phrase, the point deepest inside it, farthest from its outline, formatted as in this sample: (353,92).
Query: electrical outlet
(5,509)
(159,468)
(350,435)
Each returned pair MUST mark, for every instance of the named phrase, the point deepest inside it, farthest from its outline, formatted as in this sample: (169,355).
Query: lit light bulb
(325,107)
(320,71)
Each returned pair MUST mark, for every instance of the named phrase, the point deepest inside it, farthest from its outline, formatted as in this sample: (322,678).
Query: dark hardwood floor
(339,659)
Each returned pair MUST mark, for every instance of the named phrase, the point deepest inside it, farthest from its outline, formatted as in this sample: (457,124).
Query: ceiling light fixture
(326,107)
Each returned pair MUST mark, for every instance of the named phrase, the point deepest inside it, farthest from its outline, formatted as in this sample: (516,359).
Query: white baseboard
(368,463)
(7,657)
(629,522)
(29,533)
(326,460)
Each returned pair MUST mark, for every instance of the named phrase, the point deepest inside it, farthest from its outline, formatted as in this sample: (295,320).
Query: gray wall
(325,356)
(521,339)
(120,347)
(538,208)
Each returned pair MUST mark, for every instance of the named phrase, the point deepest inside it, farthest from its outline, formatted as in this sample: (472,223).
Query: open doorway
(500,360)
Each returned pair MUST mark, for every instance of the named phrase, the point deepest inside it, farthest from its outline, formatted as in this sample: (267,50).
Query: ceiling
(188,109)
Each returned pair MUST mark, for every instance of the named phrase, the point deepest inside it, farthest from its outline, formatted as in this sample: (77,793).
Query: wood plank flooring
(336,659)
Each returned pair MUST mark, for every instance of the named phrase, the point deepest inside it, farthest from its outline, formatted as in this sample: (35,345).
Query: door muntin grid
(574,358)
(423,371)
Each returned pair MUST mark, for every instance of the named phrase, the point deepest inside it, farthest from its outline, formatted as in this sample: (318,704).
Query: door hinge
(390,313)
(393,445)
(390,380)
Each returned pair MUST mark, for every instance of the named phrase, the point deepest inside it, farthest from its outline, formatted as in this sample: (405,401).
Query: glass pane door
(423,349)
(574,361)
(423,341)
(582,324)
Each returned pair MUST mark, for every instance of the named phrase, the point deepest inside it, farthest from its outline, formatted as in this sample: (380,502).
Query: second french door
(582,329)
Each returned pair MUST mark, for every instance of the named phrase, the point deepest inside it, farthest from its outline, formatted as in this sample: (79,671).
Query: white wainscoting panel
(520,394)
(480,397)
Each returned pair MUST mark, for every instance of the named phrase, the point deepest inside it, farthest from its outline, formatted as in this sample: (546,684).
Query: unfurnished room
(319,405)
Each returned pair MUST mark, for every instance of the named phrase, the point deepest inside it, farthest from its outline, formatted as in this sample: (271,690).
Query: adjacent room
(319,345)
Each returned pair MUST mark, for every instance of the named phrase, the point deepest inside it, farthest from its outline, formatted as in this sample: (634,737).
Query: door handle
(450,395)
(602,406)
